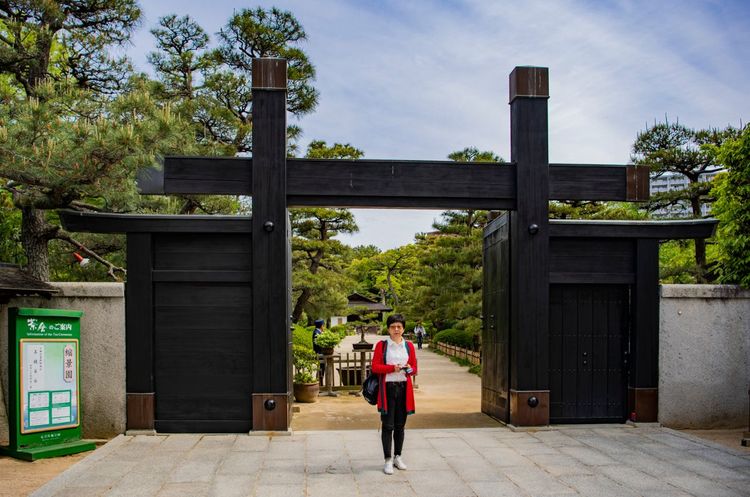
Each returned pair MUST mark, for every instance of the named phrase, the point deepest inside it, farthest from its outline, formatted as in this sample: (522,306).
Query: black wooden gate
(496,314)
(202,338)
(208,348)
(588,335)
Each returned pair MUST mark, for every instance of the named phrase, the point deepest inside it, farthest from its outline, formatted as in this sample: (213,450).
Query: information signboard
(44,381)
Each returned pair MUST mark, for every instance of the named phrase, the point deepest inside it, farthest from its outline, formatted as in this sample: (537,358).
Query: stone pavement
(611,460)
(330,455)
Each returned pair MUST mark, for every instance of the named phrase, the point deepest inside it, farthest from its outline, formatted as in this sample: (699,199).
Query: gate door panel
(496,319)
(202,323)
(588,344)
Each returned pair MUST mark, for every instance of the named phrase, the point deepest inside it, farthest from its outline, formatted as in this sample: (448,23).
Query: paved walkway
(488,462)
(326,456)
(448,396)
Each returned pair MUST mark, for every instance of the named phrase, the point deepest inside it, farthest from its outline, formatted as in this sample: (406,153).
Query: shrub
(302,336)
(306,372)
(339,329)
(328,339)
(305,364)
(459,338)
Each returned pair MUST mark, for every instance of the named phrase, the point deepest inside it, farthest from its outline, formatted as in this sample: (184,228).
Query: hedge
(459,338)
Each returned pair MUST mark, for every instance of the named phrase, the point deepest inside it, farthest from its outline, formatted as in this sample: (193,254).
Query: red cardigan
(381,370)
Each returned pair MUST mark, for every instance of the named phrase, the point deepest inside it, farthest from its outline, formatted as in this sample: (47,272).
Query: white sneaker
(388,468)
(399,463)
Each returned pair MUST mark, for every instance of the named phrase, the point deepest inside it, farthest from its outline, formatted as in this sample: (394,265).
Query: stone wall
(704,356)
(102,353)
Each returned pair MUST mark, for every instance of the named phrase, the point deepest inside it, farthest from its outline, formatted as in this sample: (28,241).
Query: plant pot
(306,392)
(326,350)
(362,346)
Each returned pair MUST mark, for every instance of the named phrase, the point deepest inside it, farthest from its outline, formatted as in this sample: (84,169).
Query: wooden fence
(349,369)
(472,356)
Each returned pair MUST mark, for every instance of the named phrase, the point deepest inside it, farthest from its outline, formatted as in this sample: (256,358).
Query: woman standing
(396,393)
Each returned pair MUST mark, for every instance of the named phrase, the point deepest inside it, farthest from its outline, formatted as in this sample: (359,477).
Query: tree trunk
(304,297)
(34,240)
(299,306)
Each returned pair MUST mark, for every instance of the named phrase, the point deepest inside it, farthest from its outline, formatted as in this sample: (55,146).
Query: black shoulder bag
(371,384)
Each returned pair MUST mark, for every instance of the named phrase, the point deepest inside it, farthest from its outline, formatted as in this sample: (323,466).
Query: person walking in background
(396,392)
(420,333)
(318,349)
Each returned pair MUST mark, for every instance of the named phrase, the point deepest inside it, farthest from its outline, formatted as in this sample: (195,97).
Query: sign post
(44,384)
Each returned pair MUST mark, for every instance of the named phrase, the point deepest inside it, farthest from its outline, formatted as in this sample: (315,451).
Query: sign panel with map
(45,397)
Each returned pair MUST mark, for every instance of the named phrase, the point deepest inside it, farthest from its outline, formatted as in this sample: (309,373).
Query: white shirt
(396,353)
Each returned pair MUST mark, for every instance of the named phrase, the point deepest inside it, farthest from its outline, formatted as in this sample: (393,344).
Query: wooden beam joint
(529,82)
(637,183)
(269,74)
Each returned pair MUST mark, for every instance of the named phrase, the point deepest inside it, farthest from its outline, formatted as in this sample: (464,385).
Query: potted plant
(306,387)
(327,341)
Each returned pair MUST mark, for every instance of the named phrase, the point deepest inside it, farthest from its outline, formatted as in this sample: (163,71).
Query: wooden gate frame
(524,186)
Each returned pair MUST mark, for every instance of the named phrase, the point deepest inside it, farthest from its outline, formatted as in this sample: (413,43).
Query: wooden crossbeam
(660,230)
(408,184)
(152,223)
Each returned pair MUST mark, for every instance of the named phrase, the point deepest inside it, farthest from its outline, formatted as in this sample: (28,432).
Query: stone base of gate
(140,411)
(525,411)
(643,404)
(272,411)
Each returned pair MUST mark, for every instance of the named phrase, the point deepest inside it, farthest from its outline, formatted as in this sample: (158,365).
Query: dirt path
(447,397)
(19,478)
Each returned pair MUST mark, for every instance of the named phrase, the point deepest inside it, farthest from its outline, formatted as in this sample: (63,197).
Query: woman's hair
(395,318)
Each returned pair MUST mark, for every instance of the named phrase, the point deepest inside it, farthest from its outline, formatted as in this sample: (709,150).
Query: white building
(670,181)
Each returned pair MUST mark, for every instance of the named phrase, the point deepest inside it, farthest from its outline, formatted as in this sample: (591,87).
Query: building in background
(670,181)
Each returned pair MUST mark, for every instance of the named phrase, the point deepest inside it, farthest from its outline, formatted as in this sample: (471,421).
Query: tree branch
(111,268)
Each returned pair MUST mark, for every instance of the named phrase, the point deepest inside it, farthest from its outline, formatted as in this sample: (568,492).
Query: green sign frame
(44,383)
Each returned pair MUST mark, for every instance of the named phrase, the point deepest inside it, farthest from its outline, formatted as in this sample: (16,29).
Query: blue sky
(418,79)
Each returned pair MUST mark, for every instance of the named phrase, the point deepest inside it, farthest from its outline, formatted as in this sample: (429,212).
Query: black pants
(419,341)
(395,419)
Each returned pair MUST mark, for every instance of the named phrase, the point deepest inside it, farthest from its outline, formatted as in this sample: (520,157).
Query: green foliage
(320,285)
(732,208)
(328,339)
(213,86)
(446,286)
(595,210)
(459,338)
(677,262)
(66,40)
(318,149)
(385,273)
(473,368)
(341,330)
(302,336)
(305,364)
(671,147)
(11,250)
(443,285)
(472,154)
(76,123)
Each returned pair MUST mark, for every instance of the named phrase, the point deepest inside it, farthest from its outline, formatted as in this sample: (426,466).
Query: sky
(419,80)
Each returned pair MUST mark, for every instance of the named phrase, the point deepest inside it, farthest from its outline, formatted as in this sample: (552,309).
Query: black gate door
(588,333)
(496,319)
(202,332)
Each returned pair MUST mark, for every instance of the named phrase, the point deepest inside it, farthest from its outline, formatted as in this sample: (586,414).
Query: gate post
(529,236)
(271,402)
(643,380)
